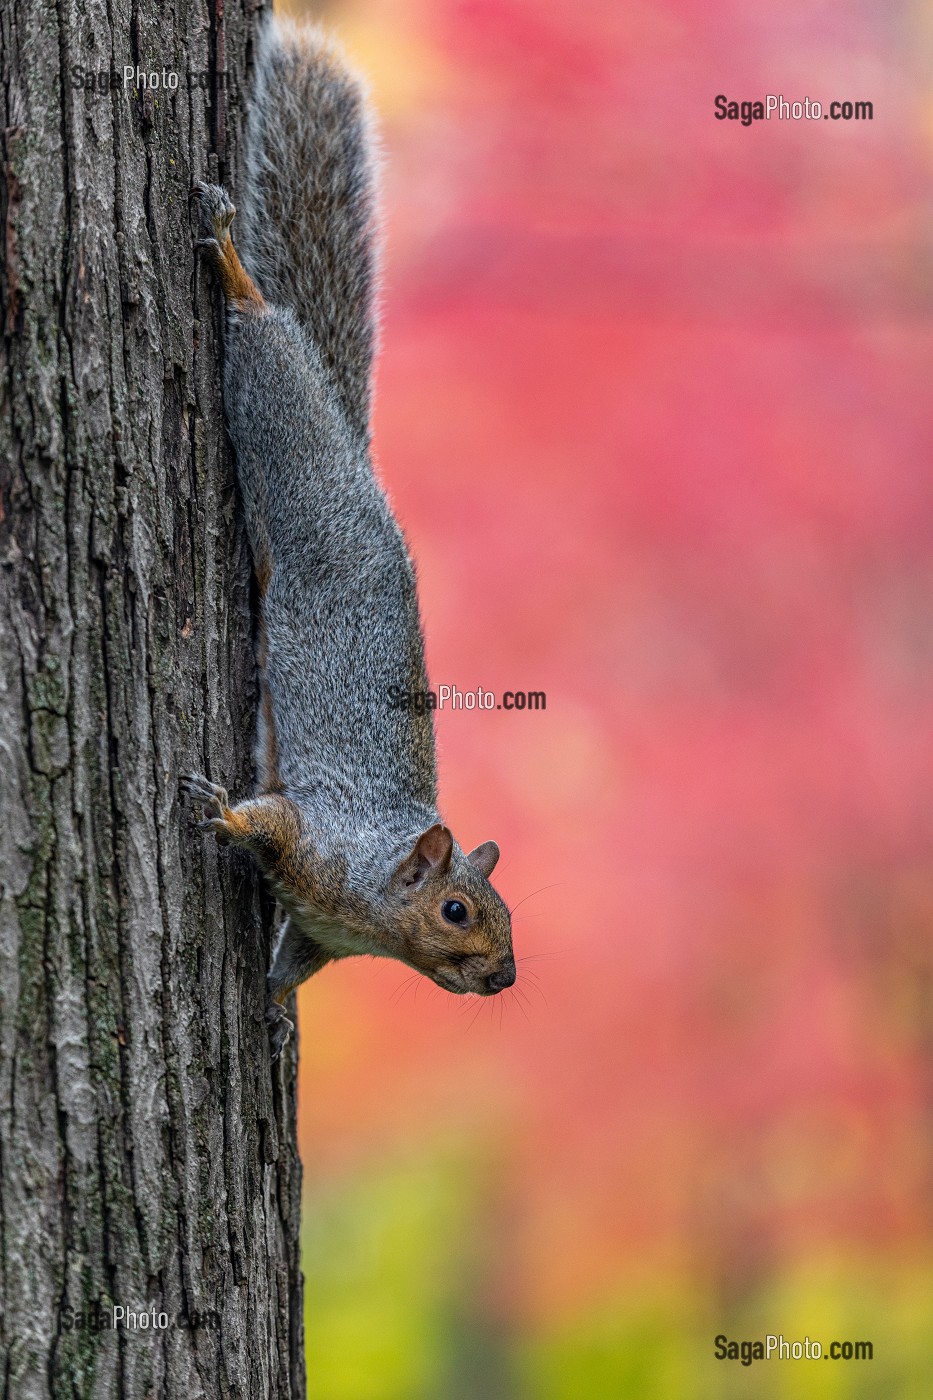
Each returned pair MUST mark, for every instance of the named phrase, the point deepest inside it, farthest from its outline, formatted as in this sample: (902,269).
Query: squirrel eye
(454,912)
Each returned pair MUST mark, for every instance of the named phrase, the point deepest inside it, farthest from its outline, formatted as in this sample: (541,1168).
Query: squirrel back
(340,619)
(308,220)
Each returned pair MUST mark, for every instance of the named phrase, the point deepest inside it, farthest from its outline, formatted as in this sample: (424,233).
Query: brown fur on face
(471,956)
(405,920)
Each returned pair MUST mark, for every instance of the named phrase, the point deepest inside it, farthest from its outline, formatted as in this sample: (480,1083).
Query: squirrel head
(453,925)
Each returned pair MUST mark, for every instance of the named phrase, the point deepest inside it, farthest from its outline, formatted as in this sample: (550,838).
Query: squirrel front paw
(217,210)
(280,1029)
(215,806)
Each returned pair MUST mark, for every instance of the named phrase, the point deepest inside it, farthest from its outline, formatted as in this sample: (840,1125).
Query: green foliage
(397,1309)
(385,1256)
(661,1343)
(637,1351)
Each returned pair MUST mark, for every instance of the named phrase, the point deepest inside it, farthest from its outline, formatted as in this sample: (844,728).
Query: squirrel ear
(485,858)
(430,853)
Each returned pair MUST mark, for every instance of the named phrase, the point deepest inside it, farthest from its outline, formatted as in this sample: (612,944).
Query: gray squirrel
(345,823)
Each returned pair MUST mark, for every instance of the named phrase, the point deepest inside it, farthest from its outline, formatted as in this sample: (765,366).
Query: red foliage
(653,407)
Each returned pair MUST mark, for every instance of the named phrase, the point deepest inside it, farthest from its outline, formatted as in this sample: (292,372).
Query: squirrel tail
(308,216)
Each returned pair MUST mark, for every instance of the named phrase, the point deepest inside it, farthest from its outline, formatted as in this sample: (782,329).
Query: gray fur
(346,826)
(340,607)
(309,213)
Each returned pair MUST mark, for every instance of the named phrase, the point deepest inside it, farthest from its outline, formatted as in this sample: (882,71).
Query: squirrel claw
(196,785)
(215,804)
(218,826)
(217,211)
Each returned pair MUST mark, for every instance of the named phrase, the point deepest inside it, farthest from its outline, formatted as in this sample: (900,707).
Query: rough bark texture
(147,1150)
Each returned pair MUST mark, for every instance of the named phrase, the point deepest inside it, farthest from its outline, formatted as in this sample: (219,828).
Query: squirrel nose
(498,981)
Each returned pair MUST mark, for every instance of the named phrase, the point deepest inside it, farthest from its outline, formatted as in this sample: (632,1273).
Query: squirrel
(344,824)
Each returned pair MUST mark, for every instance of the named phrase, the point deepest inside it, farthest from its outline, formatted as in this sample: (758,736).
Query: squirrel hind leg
(281,1028)
(297,957)
(217,212)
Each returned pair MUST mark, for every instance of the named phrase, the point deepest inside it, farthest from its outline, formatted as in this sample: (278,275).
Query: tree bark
(147,1149)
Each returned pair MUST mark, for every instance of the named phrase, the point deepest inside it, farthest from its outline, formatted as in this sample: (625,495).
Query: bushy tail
(308,210)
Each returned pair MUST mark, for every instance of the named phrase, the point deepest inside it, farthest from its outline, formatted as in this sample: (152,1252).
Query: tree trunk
(147,1150)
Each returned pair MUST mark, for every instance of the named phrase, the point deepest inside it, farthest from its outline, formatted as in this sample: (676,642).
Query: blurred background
(654,409)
